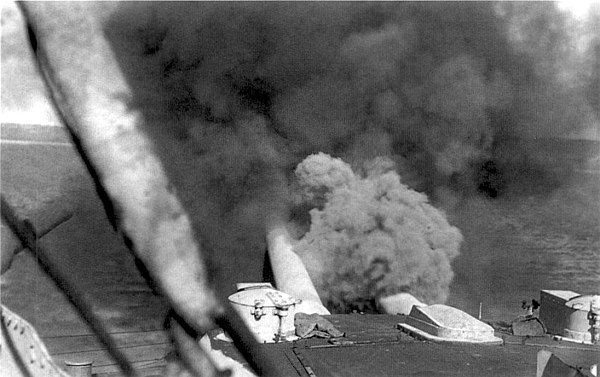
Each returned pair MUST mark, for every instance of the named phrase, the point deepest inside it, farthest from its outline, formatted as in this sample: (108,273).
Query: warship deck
(373,346)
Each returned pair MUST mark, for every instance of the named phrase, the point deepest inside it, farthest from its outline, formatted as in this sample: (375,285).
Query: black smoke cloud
(237,94)
(432,85)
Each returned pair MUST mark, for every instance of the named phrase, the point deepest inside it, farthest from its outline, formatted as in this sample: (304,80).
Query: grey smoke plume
(243,92)
(373,237)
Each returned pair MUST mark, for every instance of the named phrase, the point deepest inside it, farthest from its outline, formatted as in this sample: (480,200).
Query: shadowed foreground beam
(42,222)
(25,232)
(91,95)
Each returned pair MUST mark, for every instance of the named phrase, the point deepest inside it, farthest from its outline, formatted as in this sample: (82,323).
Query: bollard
(79,368)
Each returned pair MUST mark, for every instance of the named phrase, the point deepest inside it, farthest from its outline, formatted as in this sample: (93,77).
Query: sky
(578,8)
(23,94)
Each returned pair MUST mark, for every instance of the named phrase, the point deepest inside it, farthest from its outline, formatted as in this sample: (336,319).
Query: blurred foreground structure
(138,195)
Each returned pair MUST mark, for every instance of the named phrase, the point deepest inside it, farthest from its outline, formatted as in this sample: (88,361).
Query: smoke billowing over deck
(246,91)
(237,95)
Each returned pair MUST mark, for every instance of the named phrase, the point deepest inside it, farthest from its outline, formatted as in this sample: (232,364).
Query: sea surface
(529,239)
(517,245)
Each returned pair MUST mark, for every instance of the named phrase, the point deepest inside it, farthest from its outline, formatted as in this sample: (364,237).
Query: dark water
(518,245)
(515,246)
